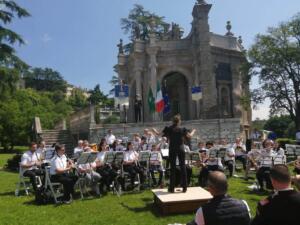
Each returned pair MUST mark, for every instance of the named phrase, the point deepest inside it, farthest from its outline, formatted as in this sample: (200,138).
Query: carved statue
(120,46)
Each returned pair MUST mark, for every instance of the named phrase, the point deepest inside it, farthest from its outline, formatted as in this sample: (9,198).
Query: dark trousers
(229,165)
(133,170)
(174,153)
(153,169)
(138,115)
(297,170)
(188,175)
(68,181)
(263,174)
(204,173)
(243,159)
(107,174)
(32,174)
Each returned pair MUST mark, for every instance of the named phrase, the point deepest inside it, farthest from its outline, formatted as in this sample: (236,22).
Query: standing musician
(106,171)
(60,171)
(130,164)
(31,162)
(212,163)
(176,136)
(266,162)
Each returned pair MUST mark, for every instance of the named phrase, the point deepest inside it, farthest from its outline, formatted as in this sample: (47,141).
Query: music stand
(87,157)
(109,157)
(279,160)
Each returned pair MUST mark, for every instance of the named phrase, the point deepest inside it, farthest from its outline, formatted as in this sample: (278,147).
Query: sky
(78,38)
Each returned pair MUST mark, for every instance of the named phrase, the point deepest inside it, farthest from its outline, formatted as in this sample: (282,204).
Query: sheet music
(165,152)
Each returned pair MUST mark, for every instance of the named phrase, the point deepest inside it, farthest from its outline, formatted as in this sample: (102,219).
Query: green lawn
(130,209)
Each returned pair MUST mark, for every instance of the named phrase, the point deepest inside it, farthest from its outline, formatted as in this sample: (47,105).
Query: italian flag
(159,101)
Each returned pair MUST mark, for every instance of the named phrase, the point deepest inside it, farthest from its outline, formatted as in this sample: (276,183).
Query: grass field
(129,209)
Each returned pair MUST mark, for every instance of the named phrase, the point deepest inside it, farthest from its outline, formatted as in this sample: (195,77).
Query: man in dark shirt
(283,207)
(176,136)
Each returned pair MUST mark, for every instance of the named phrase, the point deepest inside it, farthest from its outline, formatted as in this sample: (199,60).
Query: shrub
(13,163)
(283,141)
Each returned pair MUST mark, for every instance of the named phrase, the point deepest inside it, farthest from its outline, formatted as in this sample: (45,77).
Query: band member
(86,146)
(252,160)
(131,166)
(79,149)
(105,170)
(42,148)
(278,149)
(240,152)
(156,165)
(60,172)
(143,146)
(266,162)
(110,138)
(229,156)
(163,143)
(212,163)
(92,178)
(31,162)
(150,138)
(136,141)
(176,136)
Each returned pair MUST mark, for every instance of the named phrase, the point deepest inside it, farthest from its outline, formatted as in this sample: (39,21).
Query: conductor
(176,136)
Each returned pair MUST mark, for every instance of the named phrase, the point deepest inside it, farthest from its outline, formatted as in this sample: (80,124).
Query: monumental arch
(202,58)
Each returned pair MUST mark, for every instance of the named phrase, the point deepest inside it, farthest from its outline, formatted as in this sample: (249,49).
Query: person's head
(177,120)
(223,141)
(109,131)
(217,183)
(33,146)
(201,145)
(276,145)
(209,144)
(136,137)
(280,177)
(60,149)
(42,144)
(154,147)
(238,140)
(129,146)
(146,131)
(80,143)
(102,146)
(268,144)
(85,144)
(143,140)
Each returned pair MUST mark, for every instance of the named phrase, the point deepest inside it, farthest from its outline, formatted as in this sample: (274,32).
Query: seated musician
(278,149)
(79,149)
(252,159)
(42,148)
(212,163)
(201,147)
(130,164)
(86,146)
(163,144)
(31,162)
(156,166)
(297,165)
(92,178)
(136,141)
(266,162)
(229,156)
(106,171)
(143,146)
(150,137)
(61,171)
(240,152)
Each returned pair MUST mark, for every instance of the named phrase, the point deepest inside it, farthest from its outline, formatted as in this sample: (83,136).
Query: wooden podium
(179,202)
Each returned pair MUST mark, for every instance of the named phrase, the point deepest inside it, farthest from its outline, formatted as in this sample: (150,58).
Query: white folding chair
(23,182)
(55,187)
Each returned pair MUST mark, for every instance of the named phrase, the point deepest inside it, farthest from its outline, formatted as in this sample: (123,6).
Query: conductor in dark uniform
(283,206)
(176,136)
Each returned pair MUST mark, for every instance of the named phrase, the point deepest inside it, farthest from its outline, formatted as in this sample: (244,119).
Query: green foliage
(45,80)
(283,141)
(77,99)
(280,125)
(17,114)
(258,124)
(138,23)
(112,120)
(97,96)
(275,59)
(11,66)
(13,163)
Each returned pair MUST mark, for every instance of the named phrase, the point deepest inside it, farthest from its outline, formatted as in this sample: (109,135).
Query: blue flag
(167,108)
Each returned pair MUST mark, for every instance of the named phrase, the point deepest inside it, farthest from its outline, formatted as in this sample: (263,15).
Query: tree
(279,124)
(97,96)
(45,80)
(10,64)
(115,80)
(78,100)
(275,59)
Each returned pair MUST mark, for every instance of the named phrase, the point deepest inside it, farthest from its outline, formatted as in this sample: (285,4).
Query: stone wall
(213,129)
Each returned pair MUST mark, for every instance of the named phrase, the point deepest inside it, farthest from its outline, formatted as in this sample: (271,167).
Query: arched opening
(225,102)
(175,86)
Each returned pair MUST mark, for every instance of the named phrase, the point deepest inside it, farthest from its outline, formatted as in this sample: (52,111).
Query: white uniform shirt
(159,159)
(280,151)
(110,138)
(213,161)
(30,158)
(150,139)
(78,150)
(254,154)
(265,157)
(229,151)
(130,155)
(87,166)
(237,151)
(101,156)
(58,162)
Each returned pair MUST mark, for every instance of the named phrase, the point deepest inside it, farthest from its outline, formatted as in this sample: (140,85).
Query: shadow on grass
(9,193)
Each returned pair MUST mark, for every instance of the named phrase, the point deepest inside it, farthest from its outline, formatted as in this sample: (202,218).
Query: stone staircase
(60,137)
